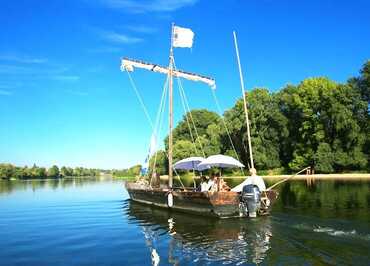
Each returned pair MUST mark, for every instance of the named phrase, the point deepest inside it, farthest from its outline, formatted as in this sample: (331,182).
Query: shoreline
(349,176)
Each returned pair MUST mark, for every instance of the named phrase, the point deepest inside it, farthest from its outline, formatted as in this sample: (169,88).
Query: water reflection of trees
(7,187)
(326,197)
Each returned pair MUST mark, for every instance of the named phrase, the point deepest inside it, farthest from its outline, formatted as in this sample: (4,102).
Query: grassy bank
(346,176)
(128,178)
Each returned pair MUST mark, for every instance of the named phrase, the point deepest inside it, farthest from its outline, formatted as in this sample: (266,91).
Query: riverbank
(128,178)
(347,176)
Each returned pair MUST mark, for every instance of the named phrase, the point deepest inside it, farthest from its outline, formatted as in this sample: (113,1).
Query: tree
(37,172)
(66,171)
(268,129)
(7,170)
(322,111)
(202,120)
(53,171)
(324,159)
(78,171)
(159,162)
(134,170)
(183,149)
(361,85)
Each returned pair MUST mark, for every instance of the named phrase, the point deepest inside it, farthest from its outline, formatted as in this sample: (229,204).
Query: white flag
(182,37)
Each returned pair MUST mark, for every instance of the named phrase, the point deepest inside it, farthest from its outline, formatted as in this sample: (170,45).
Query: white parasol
(191,163)
(221,161)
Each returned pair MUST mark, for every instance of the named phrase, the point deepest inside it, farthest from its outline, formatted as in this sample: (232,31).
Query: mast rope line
(160,119)
(133,85)
(220,113)
(188,123)
(191,118)
(188,108)
(185,111)
(159,128)
(225,125)
(140,99)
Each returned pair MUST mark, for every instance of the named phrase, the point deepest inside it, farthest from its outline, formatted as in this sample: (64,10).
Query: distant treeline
(8,171)
(317,123)
(129,172)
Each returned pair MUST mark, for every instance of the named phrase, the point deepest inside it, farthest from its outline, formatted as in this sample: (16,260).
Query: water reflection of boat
(198,239)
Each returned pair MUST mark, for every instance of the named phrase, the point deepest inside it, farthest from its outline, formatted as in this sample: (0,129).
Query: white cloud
(66,78)
(119,37)
(105,49)
(141,29)
(31,70)
(22,59)
(145,6)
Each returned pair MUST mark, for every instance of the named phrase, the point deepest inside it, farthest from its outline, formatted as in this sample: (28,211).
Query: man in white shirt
(253,179)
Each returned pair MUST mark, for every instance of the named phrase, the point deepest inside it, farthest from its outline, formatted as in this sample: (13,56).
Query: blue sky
(64,101)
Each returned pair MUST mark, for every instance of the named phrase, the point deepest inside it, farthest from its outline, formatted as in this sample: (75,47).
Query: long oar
(286,179)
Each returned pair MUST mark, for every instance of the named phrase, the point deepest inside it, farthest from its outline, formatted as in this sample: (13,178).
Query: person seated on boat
(252,179)
(257,180)
(218,184)
(213,183)
(223,185)
(204,184)
(142,181)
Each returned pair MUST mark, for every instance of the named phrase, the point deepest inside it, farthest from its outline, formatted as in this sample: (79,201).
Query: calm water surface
(92,222)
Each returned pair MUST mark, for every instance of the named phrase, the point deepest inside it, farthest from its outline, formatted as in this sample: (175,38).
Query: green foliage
(53,171)
(323,121)
(268,128)
(202,119)
(8,171)
(159,162)
(183,149)
(130,172)
(66,171)
(318,123)
(206,137)
(324,159)
(81,171)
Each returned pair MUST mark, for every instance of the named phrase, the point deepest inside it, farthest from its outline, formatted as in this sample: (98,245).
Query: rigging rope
(220,113)
(140,99)
(189,111)
(224,123)
(146,111)
(159,119)
(188,123)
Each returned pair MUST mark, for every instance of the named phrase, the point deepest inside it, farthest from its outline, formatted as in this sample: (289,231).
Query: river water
(92,222)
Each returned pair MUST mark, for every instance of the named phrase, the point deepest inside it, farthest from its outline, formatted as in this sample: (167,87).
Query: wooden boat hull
(216,204)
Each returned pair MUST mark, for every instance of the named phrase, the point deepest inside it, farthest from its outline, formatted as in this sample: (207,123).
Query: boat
(247,202)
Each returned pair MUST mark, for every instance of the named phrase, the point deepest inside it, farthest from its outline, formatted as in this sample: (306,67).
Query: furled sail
(129,64)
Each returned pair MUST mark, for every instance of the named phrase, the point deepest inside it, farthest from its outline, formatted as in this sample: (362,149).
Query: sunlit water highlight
(92,222)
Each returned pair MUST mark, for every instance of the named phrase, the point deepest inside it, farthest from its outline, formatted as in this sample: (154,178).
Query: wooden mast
(170,108)
(244,100)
